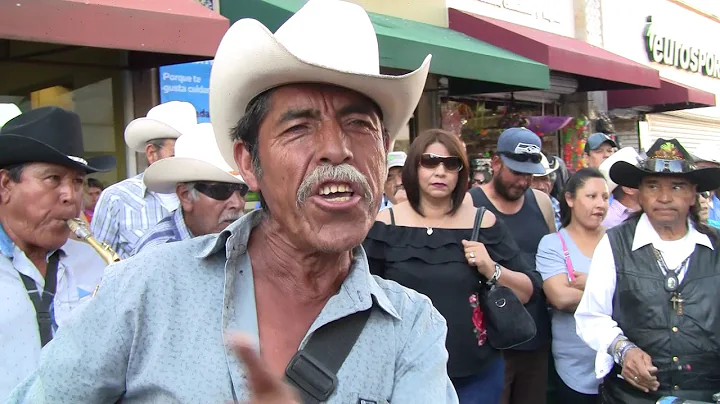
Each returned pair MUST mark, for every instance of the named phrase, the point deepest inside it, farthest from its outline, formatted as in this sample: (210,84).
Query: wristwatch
(496,274)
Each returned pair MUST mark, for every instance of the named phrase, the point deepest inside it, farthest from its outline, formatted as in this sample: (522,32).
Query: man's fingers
(260,378)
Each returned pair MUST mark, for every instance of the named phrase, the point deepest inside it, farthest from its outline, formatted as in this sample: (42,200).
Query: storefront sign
(662,47)
(528,7)
(188,82)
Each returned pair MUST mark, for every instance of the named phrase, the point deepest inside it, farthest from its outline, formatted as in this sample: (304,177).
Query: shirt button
(674,329)
(675,359)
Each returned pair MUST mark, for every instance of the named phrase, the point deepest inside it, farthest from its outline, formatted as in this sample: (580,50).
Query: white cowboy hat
(165,121)
(546,166)
(396,159)
(197,158)
(8,112)
(326,41)
(626,154)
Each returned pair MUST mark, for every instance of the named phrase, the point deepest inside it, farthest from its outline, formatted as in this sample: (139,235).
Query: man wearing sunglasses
(650,307)
(530,216)
(211,195)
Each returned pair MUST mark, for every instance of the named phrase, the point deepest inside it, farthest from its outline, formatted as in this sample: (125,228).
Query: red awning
(671,96)
(174,27)
(595,68)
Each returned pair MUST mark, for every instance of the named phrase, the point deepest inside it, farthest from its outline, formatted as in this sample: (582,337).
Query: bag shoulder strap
(479,213)
(568,261)
(43,299)
(546,208)
(392,216)
(313,369)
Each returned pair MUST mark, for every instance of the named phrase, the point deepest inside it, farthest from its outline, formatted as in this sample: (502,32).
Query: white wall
(556,16)
(623,33)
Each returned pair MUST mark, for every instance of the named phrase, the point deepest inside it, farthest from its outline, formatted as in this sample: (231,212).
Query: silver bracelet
(496,274)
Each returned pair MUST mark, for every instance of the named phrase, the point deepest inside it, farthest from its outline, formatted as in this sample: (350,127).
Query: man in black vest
(650,307)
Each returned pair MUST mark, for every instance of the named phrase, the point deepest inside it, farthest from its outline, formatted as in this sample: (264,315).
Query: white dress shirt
(79,271)
(593,317)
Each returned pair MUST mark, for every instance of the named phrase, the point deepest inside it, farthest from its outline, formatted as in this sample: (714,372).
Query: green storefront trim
(404,44)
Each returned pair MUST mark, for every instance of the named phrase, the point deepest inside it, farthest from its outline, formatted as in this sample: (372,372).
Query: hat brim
(164,175)
(524,167)
(16,149)
(627,175)
(142,130)
(234,82)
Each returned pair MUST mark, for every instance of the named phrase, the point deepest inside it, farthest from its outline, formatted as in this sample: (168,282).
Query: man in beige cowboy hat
(307,119)
(211,194)
(127,210)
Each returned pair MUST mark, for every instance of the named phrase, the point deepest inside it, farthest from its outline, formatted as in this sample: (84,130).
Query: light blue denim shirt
(154,333)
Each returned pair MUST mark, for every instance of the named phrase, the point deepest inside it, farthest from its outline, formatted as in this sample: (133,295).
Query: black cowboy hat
(665,158)
(48,135)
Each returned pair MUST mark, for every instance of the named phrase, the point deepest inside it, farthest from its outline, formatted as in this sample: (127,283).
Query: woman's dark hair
(575,182)
(412,165)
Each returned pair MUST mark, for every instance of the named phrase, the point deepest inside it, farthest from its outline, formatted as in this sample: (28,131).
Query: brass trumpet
(77,226)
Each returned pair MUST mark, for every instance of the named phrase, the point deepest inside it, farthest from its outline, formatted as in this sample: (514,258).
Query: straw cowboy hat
(666,158)
(546,166)
(326,41)
(48,135)
(197,158)
(626,154)
(164,121)
(8,112)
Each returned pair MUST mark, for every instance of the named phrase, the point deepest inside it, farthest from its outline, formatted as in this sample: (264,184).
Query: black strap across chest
(313,369)
(43,300)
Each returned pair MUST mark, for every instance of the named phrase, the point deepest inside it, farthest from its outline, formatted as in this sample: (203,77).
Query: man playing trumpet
(43,274)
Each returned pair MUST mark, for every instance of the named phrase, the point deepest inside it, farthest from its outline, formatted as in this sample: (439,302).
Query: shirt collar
(645,234)
(619,208)
(358,282)
(179,221)
(6,244)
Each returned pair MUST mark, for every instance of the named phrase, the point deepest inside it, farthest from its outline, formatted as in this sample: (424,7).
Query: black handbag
(508,322)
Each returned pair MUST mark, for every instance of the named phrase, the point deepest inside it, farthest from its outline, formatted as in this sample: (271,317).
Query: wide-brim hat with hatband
(546,166)
(197,158)
(665,158)
(169,120)
(626,154)
(48,135)
(326,41)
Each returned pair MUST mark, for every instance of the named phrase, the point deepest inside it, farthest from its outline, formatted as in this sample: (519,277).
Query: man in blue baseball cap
(598,148)
(530,216)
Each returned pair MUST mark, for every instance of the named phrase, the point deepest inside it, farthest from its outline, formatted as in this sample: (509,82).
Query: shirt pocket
(363,398)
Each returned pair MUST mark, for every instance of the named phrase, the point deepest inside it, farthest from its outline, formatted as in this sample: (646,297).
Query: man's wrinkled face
(394,187)
(211,210)
(166,150)
(544,183)
(35,210)
(597,156)
(667,199)
(322,154)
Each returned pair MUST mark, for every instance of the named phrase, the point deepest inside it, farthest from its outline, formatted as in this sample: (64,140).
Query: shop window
(92,99)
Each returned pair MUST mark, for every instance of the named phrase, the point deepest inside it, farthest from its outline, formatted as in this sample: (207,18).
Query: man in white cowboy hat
(44,275)
(624,200)
(710,157)
(650,307)
(394,192)
(127,210)
(544,183)
(307,119)
(211,194)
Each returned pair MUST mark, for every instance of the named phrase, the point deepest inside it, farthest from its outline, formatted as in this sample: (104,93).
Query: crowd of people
(366,275)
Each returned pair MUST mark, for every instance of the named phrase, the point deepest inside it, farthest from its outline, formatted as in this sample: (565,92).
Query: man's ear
(151,153)
(243,159)
(6,186)
(183,194)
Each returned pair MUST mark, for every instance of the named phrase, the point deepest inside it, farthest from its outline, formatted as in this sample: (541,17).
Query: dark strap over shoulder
(392,216)
(479,213)
(42,300)
(313,369)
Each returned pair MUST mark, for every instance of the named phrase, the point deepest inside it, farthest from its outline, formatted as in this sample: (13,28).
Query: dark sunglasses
(667,166)
(536,158)
(221,191)
(431,161)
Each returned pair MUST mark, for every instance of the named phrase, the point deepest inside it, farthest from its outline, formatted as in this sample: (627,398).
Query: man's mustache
(334,173)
